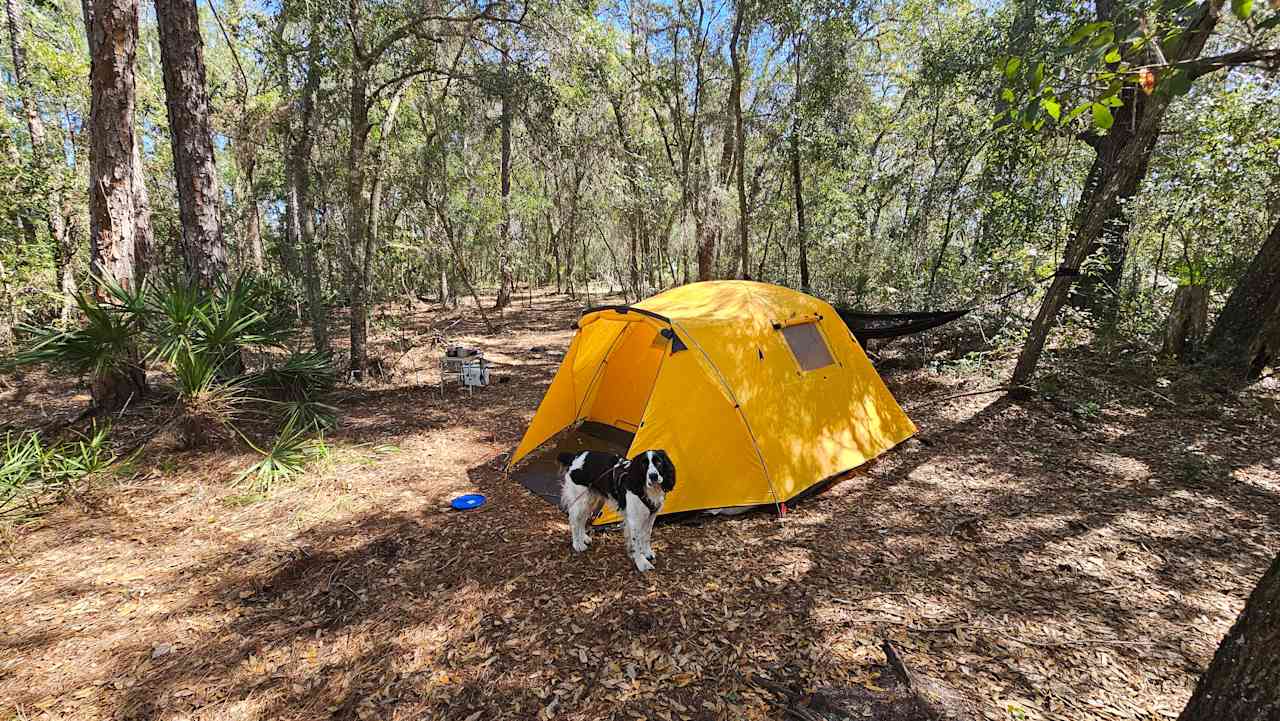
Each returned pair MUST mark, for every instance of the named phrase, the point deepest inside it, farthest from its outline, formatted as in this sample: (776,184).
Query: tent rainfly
(756,391)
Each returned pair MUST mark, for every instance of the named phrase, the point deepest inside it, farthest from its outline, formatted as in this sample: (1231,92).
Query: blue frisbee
(467,502)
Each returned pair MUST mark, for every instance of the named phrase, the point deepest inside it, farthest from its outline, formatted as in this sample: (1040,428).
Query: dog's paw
(580,545)
(642,564)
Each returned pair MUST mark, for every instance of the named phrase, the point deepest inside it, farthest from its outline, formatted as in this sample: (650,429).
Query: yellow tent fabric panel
(572,386)
(628,376)
(689,417)
(834,418)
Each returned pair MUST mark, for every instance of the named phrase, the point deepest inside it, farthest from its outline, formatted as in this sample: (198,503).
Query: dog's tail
(566,459)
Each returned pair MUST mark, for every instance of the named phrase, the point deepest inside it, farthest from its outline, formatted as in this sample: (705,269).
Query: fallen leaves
(1021,559)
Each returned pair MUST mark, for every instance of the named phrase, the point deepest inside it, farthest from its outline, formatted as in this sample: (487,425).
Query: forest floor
(1078,555)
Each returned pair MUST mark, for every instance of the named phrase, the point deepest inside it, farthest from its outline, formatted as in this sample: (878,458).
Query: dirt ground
(1074,556)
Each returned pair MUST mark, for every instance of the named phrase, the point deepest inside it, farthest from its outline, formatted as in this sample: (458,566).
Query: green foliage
(230,321)
(208,407)
(105,343)
(310,415)
(1087,410)
(299,376)
(174,319)
(622,162)
(199,338)
(294,448)
(33,473)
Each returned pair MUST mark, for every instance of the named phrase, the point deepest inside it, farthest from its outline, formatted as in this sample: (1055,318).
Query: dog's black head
(655,468)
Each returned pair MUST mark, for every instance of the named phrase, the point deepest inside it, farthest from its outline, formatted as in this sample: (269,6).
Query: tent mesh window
(808,346)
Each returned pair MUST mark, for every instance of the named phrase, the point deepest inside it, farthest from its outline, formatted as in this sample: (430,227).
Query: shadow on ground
(1046,564)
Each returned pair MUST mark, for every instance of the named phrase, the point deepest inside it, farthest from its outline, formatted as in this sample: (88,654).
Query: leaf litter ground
(1076,557)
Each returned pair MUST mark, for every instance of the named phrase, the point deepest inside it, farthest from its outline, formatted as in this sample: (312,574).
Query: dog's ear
(638,471)
(668,471)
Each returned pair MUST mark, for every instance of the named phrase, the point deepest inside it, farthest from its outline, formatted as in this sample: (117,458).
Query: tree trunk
(142,206)
(1243,680)
(182,55)
(1112,177)
(735,93)
(797,184)
(9,145)
(713,220)
(1188,321)
(444,284)
(253,219)
(506,281)
(1099,289)
(357,220)
(301,215)
(375,194)
(1246,336)
(119,213)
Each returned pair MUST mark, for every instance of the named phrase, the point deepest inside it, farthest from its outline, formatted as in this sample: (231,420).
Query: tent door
(631,369)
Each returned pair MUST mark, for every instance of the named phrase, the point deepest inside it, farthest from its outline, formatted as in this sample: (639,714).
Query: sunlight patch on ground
(1264,475)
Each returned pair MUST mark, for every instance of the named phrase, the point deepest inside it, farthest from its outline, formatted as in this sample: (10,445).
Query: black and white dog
(636,488)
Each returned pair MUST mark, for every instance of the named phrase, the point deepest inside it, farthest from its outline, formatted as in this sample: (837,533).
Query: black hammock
(867,326)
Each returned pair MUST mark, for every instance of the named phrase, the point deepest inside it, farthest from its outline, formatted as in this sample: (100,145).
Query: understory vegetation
(200,342)
(34,472)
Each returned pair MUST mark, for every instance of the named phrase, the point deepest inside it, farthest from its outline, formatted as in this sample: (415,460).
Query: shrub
(104,346)
(32,474)
(200,337)
(208,408)
(293,449)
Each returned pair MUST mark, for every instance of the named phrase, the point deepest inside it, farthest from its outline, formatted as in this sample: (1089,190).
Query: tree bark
(357,221)
(1188,320)
(182,55)
(300,220)
(735,93)
(253,218)
(1099,289)
(1246,336)
(119,211)
(375,195)
(9,146)
(1097,207)
(713,218)
(1243,680)
(506,281)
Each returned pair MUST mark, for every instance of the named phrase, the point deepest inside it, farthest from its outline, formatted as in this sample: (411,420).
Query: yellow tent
(757,392)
